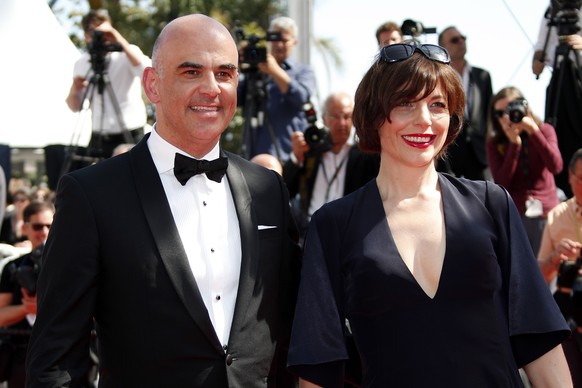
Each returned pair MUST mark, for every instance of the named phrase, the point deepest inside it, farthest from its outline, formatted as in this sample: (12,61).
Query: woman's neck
(405,182)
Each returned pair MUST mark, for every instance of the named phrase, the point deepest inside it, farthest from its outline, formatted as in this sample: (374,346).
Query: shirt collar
(163,153)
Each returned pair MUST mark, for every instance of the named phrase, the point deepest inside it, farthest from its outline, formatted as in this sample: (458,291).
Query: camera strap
(338,167)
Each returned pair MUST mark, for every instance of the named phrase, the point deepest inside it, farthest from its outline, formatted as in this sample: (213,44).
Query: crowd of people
(416,238)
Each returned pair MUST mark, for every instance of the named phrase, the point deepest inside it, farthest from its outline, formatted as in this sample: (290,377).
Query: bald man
(184,266)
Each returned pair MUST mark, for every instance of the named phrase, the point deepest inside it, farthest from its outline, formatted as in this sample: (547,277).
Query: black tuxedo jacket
(360,169)
(114,256)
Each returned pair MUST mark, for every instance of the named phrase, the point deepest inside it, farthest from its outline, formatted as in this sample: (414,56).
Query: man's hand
(299,146)
(29,302)
(574,41)
(567,250)
(538,64)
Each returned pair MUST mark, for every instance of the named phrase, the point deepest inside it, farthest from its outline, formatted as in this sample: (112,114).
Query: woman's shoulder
(360,207)
(485,191)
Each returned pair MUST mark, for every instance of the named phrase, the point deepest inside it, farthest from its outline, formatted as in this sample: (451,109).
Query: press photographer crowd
(424,231)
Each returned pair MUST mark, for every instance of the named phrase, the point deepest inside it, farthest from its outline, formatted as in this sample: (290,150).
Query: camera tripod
(255,115)
(564,91)
(100,83)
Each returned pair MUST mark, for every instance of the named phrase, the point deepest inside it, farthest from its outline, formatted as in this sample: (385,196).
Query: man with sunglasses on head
(17,305)
(467,157)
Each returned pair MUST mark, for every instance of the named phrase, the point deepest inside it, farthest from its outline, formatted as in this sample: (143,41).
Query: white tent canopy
(36,67)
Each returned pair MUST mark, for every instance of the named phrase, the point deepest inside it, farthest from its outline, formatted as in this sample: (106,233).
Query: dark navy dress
(492,312)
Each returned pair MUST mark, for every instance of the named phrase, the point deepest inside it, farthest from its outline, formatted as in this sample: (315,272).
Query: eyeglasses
(38,227)
(498,113)
(402,51)
(458,39)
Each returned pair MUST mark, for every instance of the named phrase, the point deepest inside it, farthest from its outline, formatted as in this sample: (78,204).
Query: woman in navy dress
(434,274)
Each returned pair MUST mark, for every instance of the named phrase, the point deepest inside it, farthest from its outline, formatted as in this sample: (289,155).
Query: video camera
(253,53)
(565,16)
(27,271)
(317,136)
(415,28)
(98,48)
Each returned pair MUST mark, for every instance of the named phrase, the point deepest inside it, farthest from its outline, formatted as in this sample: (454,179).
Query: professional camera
(98,48)
(253,52)
(565,16)
(415,28)
(568,273)
(27,271)
(517,110)
(317,137)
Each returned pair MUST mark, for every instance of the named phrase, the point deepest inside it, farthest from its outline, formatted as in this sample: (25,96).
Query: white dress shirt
(206,219)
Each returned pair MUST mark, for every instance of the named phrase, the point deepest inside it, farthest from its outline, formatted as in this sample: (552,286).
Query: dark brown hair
(36,207)
(387,85)
(387,27)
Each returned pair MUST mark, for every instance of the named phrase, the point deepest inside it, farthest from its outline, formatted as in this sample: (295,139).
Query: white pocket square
(263,227)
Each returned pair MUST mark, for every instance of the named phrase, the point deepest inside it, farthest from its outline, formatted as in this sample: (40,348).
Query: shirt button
(225,348)
(212,250)
(204,203)
(218,298)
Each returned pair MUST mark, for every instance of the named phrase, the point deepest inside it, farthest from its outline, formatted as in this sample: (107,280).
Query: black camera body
(98,48)
(565,16)
(568,273)
(27,271)
(517,110)
(253,53)
(316,136)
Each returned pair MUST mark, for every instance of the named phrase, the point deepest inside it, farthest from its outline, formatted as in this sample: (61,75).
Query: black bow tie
(185,168)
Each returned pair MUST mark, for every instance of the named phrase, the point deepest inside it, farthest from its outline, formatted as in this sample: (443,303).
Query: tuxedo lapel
(165,234)
(248,236)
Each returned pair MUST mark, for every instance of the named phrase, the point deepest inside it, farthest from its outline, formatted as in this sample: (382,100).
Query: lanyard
(334,176)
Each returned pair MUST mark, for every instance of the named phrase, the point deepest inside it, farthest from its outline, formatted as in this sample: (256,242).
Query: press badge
(533,208)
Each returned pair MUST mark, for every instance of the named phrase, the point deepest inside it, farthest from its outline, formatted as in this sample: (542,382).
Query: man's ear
(150,84)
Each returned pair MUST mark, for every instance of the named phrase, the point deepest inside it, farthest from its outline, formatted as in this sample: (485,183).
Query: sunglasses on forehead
(402,51)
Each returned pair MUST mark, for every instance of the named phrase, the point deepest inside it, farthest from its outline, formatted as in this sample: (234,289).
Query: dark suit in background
(467,157)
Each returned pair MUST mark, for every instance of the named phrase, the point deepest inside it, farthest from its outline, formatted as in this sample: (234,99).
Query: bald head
(337,98)
(268,161)
(184,28)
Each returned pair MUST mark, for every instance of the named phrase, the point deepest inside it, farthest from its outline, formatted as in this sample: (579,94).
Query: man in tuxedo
(467,157)
(185,272)
(321,176)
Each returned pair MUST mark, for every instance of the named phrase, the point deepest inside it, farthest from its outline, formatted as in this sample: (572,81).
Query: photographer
(123,63)
(320,173)
(559,260)
(559,46)
(523,156)
(18,297)
(549,39)
(284,85)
